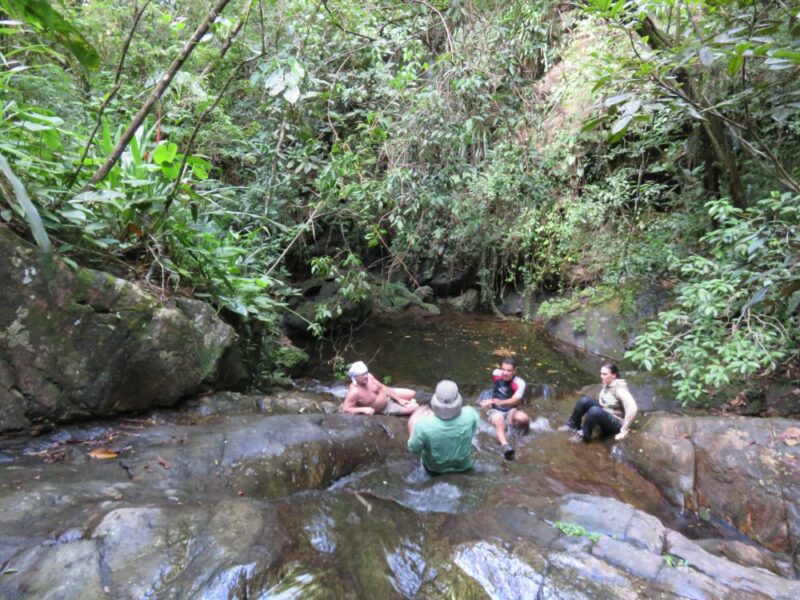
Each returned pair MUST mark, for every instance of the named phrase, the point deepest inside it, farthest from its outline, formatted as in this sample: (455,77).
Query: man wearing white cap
(368,396)
(442,434)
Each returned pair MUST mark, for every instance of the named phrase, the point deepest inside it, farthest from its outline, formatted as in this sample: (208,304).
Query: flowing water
(417,350)
(498,499)
(385,529)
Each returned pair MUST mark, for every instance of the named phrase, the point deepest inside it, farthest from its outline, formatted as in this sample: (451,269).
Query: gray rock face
(593,328)
(78,344)
(466,302)
(741,469)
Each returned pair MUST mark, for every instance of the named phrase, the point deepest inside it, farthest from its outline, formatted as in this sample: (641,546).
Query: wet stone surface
(282,496)
(242,504)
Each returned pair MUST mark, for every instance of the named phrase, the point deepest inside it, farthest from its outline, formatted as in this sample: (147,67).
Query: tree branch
(107,101)
(226,45)
(156,94)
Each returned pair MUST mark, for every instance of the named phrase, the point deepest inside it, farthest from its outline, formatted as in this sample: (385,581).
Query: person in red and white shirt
(503,407)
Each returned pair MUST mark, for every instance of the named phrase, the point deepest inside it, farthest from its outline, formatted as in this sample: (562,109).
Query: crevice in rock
(102,564)
(792,543)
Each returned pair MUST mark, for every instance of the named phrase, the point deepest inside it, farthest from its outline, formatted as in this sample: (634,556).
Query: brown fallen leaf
(792,432)
(163,463)
(103,453)
(503,351)
(791,442)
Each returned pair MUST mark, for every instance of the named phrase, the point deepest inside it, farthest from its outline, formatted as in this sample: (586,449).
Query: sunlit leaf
(620,125)
(165,153)
(31,213)
(292,94)
(618,99)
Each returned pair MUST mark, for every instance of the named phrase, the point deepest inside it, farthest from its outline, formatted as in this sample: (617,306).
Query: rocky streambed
(232,499)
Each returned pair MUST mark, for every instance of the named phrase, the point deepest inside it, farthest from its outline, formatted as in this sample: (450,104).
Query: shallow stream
(242,505)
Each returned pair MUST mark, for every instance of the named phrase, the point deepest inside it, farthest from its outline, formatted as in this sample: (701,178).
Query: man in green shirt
(442,433)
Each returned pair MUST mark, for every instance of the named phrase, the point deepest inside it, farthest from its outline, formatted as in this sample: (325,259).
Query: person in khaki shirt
(613,412)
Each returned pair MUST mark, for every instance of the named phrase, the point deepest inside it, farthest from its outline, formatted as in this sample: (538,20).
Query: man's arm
(402,395)
(415,443)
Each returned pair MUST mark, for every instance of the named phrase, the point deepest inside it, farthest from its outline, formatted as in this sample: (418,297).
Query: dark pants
(589,410)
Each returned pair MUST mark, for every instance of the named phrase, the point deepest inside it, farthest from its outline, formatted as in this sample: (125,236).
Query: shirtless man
(503,406)
(368,396)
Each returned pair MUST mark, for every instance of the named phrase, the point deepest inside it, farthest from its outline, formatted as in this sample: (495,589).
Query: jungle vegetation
(231,148)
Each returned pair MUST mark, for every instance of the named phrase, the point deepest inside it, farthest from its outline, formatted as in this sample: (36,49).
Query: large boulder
(78,343)
(602,322)
(596,328)
(743,470)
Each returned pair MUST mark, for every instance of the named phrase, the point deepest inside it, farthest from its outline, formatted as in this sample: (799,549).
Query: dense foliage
(230,149)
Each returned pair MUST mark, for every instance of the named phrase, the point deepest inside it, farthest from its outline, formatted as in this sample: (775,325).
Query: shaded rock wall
(741,469)
(82,343)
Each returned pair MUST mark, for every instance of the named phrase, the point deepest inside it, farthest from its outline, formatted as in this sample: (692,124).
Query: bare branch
(161,87)
(111,94)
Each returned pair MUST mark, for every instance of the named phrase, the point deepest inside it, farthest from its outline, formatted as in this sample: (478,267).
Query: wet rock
(782,399)
(744,580)
(615,519)
(741,469)
(498,572)
(595,328)
(512,304)
(466,302)
(245,505)
(631,543)
(451,282)
(283,402)
(666,460)
(319,293)
(603,327)
(425,293)
(79,344)
(747,554)
(395,297)
(56,572)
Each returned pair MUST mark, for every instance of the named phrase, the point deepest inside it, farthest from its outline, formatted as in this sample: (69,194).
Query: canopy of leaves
(536,144)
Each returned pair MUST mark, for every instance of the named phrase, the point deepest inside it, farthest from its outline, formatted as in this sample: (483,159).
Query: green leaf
(735,64)
(620,125)
(292,95)
(791,306)
(32,215)
(618,99)
(165,153)
(593,123)
(787,54)
(755,245)
(41,15)
(171,170)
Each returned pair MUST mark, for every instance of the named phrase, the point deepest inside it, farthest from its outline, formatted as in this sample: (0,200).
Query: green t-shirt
(445,446)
